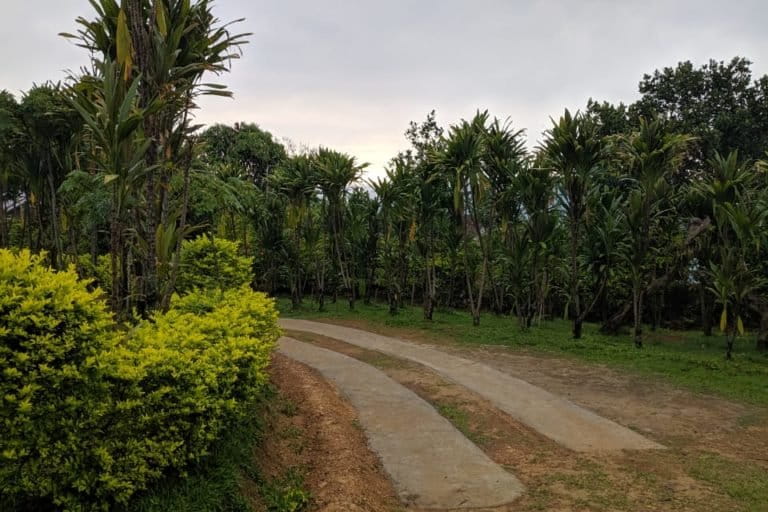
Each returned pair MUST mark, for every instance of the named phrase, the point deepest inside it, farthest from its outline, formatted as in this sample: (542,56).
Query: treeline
(651,213)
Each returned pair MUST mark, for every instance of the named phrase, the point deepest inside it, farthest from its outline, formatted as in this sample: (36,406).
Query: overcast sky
(351,74)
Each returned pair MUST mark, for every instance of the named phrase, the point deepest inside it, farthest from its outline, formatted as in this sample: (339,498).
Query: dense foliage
(90,413)
(208,263)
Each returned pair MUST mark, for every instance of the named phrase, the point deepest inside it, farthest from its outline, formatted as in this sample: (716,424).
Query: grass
(687,359)
(460,419)
(745,482)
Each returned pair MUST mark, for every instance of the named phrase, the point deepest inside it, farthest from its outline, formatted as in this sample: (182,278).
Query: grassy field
(687,359)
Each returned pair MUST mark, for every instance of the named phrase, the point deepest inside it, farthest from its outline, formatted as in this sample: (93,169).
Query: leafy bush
(52,330)
(100,273)
(91,415)
(208,263)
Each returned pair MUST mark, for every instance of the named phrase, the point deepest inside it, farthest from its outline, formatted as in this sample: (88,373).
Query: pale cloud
(352,74)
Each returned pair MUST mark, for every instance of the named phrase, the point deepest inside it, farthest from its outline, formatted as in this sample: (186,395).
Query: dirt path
(431,463)
(557,418)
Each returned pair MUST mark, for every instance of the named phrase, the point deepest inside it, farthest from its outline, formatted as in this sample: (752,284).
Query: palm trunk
(637,308)
(762,334)
(575,298)
(4,242)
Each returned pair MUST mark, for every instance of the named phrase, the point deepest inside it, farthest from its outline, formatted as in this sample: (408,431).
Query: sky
(351,74)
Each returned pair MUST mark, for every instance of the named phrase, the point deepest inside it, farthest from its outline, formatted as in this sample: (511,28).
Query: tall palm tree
(461,159)
(574,150)
(505,157)
(652,155)
(335,173)
(166,47)
(296,180)
(396,197)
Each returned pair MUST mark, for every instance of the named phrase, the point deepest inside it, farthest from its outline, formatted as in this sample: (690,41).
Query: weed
(286,494)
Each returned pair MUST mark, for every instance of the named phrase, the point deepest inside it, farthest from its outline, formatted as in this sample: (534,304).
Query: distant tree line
(652,213)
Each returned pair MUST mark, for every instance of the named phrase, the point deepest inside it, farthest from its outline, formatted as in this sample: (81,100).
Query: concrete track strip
(431,463)
(555,417)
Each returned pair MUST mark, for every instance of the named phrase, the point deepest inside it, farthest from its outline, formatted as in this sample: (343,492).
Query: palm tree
(109,107)
(532,240)
(505,157)
(574,150)
(335,173)
(296,180)
(462,162)
(165,47)
(396,197)
(729,195)
(652,155)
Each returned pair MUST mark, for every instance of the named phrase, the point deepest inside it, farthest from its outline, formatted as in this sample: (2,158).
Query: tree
(10,185)
(396,198)
(574,150)
(432,199)
(250,151)
(335,173)
(296,180)
(461,160)
(162,50)
(718,103)
(651,155)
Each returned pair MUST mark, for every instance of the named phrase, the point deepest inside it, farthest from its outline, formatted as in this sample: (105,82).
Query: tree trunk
(706,310)
(637,309)
(762,333)
(577,328)
(429,293)
(3,218)
(140,39)
(575,299)
(730,339)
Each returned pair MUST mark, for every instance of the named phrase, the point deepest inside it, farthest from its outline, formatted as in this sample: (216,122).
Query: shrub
(183,378)
(51,331)
(100,274)
(212,263)
(90,414)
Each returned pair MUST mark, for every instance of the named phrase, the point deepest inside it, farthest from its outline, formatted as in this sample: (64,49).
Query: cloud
(352,74)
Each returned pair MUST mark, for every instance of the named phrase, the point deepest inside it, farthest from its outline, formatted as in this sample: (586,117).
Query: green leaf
(740,325)
(124,45)
(724,320)
(161,18)
(109,178)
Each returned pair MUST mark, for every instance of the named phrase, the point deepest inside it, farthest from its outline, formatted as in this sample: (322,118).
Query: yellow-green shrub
(100,273)
(91,414)
(184,377)
(212,263)
(51,395)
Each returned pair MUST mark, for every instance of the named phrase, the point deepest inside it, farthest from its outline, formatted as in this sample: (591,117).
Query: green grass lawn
(685,358)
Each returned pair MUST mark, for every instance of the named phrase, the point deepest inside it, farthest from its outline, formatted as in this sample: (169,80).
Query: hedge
(90,413)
